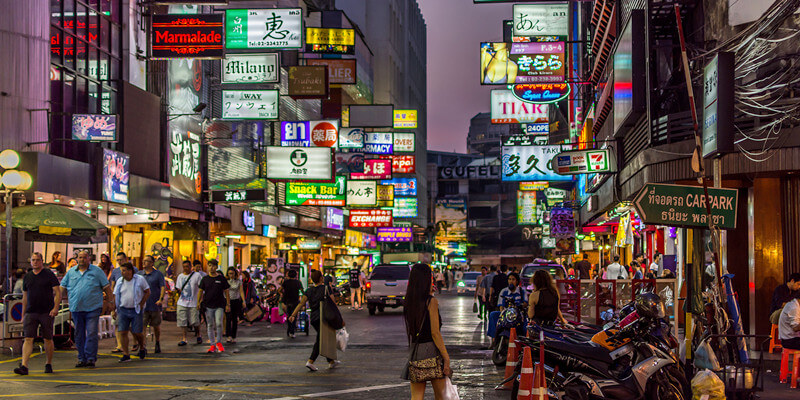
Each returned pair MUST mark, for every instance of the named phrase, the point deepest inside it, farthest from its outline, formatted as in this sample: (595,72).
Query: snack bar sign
(370,218)
(274,28)
(317,194)
(249,104)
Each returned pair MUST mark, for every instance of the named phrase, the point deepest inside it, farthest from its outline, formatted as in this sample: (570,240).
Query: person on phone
(424,330)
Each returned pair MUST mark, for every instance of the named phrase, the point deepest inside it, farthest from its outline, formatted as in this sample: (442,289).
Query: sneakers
(220,349)
(333,364)
(291,335)
(311,367)
(125,358)
(212,349)
(81,364)
(90,364)
(142,353)
(21,370)
(181,343)
(48,369)
(135,348)
(199,340)
(158,347)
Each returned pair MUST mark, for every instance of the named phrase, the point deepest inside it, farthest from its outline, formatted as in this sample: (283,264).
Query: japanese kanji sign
(362,193)
(531,163)
(374,169)
(274,28)
(300,163)
(250,104)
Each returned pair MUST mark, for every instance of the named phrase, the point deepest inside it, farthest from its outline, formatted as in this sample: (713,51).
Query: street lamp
(12,182)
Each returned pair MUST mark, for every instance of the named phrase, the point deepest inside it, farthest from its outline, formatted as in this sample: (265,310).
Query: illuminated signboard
(541,129)
(186,36)
(385,196)
(395,234)
(584,162)
(404,142)
(323,133)
(308,244)
(340,71)
(270,231)
(351,138)
(362,193)
(526,208)
(374,169)
(334,219)
(308,82)
(347,163)
(300,163)
(404,207)
(330,40)
(378,143)
(528,186)
(401,164)
(531,163)
(370,218)
(403,186)
(238,196)
(405,119)
(541,93)
(251,68)
(248,220)
(317,194)
(541,20)
(507,109)
(116,176)
(274,28)
(541,62)
(250,104)
(94,127)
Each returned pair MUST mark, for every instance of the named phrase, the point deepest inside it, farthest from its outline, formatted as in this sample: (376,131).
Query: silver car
(468,283)
(387,286)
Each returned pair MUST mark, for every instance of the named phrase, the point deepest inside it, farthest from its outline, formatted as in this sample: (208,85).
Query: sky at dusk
(455,29)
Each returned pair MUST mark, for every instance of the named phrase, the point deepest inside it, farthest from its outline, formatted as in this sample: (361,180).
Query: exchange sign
(317,194)
(531,163)
(404,142)
(507,109)
(351,138)
(362,193)
(370,218)
(300,163)
(186,36)
(249,104)
(541,19)
(323,133)
(274,28)
(403,186)
(678,205)
(584,162)
(340,71)
(405,119)
(513,63)
(374,169)
(251,68)
(395,234)
(94,127)
(378,143)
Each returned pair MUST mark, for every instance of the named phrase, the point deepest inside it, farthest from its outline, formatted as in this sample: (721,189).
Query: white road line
(356,390)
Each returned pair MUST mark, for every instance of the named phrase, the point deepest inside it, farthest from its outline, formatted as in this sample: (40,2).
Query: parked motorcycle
(514,316)
(632,358)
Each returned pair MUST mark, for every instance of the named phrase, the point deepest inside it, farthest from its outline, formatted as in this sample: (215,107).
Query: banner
(274,28)
(562,223)
(451,219)
(317,194)
(300,163)
(531,163)
(116,175)
(370,218)
(362,193)
(159,245)
(185,84)
(526,208)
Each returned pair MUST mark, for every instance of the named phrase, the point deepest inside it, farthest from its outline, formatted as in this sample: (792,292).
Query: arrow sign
(685,206)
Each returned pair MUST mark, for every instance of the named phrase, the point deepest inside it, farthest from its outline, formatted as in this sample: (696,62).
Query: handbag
(474,307)
(332,315)
(254,313)
(428,368)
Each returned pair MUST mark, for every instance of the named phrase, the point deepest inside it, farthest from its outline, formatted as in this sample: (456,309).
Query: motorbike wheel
(500,351)
(667,384)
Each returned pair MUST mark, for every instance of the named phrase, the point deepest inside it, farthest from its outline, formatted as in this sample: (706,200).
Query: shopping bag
(474,307)
(254,313)
(342,337)
(705,358)
(450,390)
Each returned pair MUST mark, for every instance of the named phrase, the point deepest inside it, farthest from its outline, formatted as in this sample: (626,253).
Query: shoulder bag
(331,313)
(428,368)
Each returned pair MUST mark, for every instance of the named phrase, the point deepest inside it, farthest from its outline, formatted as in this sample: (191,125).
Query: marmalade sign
(187,36)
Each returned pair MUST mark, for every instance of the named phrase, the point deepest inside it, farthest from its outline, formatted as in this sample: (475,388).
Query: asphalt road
(265,364)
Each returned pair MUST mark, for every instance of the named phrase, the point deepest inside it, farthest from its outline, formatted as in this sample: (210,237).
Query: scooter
(514,316)
(633,358)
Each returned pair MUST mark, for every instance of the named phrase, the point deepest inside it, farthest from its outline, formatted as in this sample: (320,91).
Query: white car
(387,285)
(467,284)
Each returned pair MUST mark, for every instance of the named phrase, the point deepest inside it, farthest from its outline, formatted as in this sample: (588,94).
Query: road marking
(347,391)
(18,358)
(69,393)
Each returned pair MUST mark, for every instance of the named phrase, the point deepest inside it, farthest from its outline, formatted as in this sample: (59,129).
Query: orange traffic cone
(526,376)
(511,359)
(539,389)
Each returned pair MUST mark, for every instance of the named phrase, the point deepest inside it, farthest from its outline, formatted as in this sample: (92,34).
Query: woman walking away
(236,293)
(314,295)
(428,359)
(543,304)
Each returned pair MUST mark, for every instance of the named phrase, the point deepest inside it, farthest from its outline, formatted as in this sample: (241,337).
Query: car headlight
(460,284)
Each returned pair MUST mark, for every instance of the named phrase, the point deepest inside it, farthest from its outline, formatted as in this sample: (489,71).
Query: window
(390,273)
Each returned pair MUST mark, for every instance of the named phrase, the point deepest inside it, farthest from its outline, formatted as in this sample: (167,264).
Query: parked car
(387,285)
(555,269)
(467,284)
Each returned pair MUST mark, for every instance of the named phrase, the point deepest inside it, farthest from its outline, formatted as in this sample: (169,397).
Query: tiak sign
(507,109)
(677,205)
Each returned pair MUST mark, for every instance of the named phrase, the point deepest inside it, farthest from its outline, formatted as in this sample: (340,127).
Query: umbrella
(56,220)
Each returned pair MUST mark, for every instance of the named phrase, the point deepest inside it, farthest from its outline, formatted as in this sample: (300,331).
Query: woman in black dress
(543,303)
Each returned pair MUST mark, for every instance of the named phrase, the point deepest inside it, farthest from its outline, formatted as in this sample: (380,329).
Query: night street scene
(400,199)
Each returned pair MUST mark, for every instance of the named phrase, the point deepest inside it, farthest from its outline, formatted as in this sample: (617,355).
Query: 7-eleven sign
(597,160)
(584,162)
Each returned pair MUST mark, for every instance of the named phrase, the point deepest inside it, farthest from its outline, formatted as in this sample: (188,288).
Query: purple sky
(455,29)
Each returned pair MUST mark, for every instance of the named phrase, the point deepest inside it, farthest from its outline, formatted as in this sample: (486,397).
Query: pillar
(767,249)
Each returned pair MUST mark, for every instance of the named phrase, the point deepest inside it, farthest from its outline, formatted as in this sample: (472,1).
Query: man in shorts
(355,287)
(188,316)
(152,310)
(41,300)
(131,293)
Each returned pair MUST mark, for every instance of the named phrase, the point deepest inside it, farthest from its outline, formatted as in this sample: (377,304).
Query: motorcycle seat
(589,350)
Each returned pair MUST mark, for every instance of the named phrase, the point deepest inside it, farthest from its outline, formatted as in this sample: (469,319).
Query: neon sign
(542,93)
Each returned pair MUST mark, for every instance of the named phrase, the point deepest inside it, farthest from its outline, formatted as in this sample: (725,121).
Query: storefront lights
(9,159)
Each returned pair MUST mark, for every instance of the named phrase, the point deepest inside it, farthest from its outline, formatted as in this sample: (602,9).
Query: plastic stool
(774,342)
(795,354)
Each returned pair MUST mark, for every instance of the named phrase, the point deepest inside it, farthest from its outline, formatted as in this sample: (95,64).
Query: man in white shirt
(615,270)
(188,316)
(789,325)
(131,293)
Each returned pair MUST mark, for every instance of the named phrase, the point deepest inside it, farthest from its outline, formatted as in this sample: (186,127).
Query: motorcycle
(514,316)
(632,358)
